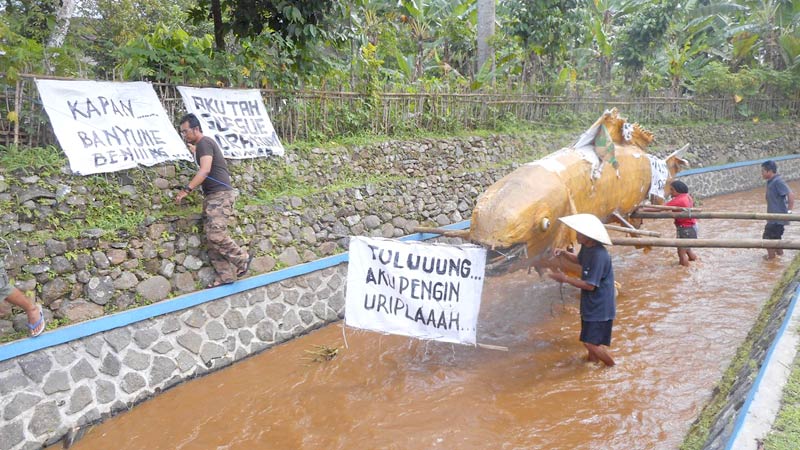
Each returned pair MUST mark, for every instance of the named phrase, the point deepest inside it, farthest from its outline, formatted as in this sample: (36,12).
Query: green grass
(38,160)
(785,434)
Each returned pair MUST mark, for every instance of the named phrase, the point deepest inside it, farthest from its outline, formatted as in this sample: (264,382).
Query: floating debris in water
(322,353)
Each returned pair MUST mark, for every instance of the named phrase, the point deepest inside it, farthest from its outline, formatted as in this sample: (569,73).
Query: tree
(547,29)
(767,21)
(486,19)
(101,27)
(61,28)
(643,34)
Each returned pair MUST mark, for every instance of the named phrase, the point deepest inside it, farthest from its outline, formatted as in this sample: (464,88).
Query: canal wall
(80,374)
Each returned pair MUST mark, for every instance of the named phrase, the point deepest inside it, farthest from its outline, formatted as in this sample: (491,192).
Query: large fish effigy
(607,172)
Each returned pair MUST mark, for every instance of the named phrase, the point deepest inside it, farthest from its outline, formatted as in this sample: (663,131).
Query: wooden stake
(715,215)
(707,243)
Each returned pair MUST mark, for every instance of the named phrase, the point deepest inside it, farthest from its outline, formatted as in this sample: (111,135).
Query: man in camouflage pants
(229,260)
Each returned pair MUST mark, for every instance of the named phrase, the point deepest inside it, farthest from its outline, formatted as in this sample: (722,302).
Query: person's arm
(790,201)
(578,283)
(566,254)
(202,172)
(198,178)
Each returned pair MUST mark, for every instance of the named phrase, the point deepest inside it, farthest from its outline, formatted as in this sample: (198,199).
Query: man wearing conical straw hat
(598,296)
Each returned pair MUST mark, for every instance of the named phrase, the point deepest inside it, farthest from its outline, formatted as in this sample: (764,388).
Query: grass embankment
(698,434)
(785,434)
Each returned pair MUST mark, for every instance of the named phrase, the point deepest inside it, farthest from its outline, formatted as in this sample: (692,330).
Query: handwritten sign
(426,291)
(658,176)
(105,126)
(236,119)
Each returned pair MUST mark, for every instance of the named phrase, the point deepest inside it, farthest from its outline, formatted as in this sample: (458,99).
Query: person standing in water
(780,200)
(686,227)
(598,293)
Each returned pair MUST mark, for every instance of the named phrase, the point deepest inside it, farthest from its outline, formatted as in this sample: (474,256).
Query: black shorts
(773,231)
(686,232)
(597,333)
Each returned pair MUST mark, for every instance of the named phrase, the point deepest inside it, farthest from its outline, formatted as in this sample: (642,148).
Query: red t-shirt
(683,201)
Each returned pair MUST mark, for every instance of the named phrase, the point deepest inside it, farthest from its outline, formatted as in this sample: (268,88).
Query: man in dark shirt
(598,294)
(229,260)
(780,199)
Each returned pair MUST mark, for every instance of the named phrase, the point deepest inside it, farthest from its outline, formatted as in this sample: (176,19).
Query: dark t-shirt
(777,191)
(598,305)
(219,179)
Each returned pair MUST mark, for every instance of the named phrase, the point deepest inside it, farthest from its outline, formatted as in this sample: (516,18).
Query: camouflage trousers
(225,255)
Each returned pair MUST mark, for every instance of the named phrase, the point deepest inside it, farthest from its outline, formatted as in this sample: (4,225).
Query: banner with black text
(236,118)
(107,126)
(427,291)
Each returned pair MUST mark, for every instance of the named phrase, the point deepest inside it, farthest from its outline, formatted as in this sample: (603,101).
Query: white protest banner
(236,119)
(105,126)
(426,291)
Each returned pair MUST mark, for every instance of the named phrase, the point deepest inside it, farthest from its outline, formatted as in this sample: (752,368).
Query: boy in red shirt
(686,228)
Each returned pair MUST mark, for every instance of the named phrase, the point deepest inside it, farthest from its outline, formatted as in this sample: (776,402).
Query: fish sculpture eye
(545,224)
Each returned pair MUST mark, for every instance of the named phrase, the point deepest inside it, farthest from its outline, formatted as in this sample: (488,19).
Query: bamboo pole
(715,215)
(647,208)
(707,243)
(443,232)
(17,107)
(634,231)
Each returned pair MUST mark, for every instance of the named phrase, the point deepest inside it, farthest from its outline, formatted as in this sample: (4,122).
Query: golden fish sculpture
(607,172)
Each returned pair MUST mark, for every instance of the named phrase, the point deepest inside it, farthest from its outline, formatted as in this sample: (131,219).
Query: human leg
(36,321)
(600,353)
(685,254)
(594,335)
(14,296)
(225,255)
(683,257)
(775,232)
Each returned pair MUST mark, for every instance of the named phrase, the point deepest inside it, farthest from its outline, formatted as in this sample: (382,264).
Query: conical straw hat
(588,225)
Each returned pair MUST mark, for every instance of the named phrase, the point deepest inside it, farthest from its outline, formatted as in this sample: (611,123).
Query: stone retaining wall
(737,178)
(48,393)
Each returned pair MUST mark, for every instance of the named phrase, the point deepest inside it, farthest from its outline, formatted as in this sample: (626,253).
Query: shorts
(686,232)
(597,333)
(773,231)
(5,286)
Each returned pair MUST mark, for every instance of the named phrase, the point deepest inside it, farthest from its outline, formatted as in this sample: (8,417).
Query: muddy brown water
(675,333)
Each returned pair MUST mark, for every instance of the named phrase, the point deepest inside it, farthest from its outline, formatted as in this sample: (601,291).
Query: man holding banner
(229,260)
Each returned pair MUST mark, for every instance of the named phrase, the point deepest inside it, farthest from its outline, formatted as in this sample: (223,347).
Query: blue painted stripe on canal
(735,165)
(740,419)
(84,329)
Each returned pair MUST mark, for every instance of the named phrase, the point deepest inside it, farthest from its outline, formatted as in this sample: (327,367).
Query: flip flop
(218,283)
(246,266)
(40,322)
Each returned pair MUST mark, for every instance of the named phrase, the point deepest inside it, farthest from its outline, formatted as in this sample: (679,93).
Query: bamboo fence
(319,115)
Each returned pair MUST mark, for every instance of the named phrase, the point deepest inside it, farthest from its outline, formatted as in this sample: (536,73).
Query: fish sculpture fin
(675,161)
(623,132)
